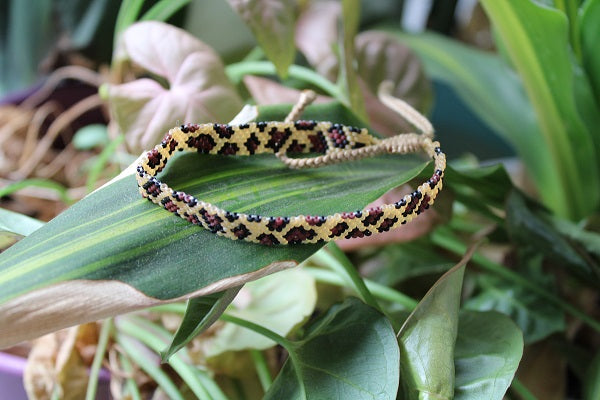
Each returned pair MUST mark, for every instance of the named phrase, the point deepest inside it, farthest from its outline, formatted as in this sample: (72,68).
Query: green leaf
(536,40)
(590,32)
(348,76)
(350,353)
(536,317)
(473,75)
(488,349)
(163,10)
(128,14)
(427,339)
(113,241)
(23,225)
(90,136)
(591,385)
(272,23)
(200,314)
(530,230)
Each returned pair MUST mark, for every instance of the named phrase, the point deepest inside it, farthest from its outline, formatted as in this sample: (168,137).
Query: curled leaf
(197,88)
(272,22)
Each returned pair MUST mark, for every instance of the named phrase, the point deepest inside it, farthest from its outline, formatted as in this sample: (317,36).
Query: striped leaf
(114,252)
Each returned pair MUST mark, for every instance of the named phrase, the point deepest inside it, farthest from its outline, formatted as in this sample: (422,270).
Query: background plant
(401,320)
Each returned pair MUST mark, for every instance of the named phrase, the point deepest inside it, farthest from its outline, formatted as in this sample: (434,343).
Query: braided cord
(335,142)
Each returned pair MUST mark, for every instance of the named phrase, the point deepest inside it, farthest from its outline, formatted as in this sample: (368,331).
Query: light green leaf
(114,244)
(474,75)
(536,39)
(23,225)
(350,353)
(90,136)
(272,23)
(163,10)
(277,302)
(427,340)
(590,32)
(488,349)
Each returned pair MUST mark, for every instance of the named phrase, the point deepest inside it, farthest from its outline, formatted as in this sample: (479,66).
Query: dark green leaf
(529,230)
(350,353)
(488,349)
(591,385)
(427,339)
(272,23)
(200,314)
(80,19)
(114,235)
(536,317)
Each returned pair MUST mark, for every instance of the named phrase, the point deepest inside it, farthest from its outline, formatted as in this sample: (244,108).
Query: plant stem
(521,390)
(335,259)
(262,369)
(90,393)
(380,291)
(130,384)
(237,71)
(447,241)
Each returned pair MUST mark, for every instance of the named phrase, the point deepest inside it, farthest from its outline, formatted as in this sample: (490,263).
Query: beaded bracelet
(336,142)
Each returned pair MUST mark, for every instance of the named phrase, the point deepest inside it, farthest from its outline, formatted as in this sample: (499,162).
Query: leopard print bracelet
(335,142)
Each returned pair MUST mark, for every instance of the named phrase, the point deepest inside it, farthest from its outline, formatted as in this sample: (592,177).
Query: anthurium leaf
(427,339)
(116,252)
(349,353)
(488,349)
(198,89)
(277,302)
(272,22)
(536,39)
(200,314)
(590,31)
(529,230)
(474,74)
(536,317)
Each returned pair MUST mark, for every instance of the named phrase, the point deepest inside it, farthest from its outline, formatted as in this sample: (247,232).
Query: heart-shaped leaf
(488,349)
(115,252)
(198,89)
(350,353)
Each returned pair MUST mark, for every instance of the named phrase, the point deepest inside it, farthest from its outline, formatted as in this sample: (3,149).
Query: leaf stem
(337,260)
(130,384)
(90,393)
(237,71)
(521,390)
(446,240)
(262,369)
(380,291)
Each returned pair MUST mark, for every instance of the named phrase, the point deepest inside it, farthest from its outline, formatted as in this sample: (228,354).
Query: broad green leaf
(200,314)
(536,317)
(163,10)
(277,302)
(496,95)
(590,32)
(528,229)
(272,23)
(488,349)
(536,40)
(427,339)
(349,353)
(114,243)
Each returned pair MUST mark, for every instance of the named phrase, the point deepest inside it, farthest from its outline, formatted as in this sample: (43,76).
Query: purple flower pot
(11,379)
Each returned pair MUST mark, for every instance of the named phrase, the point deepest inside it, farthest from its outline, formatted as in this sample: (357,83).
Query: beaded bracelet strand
(335,142)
